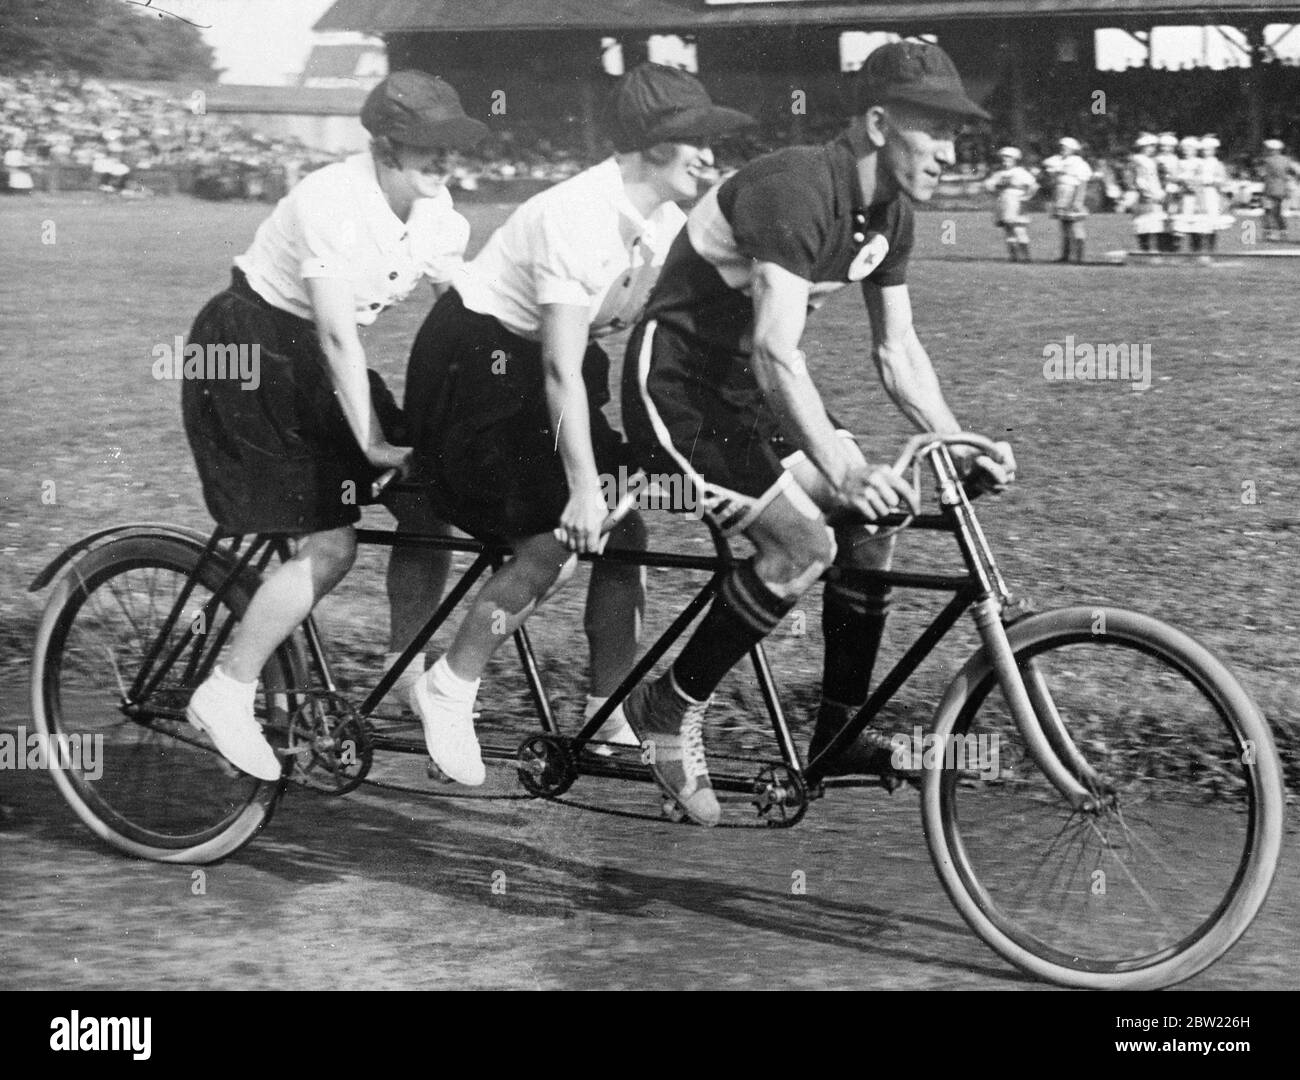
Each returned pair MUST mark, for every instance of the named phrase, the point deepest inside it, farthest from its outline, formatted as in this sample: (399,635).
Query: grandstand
(1032,61)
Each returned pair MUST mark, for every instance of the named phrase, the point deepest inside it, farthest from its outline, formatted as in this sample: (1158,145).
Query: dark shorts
(279,457)
(698,412)
(476,406)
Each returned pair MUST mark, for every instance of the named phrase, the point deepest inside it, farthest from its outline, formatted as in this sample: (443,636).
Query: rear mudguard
(118,532)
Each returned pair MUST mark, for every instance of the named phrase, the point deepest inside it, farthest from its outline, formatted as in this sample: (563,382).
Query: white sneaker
(449,734)
(229,722)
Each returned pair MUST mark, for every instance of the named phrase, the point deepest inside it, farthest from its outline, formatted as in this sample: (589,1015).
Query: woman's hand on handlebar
(580,524)
(876,491)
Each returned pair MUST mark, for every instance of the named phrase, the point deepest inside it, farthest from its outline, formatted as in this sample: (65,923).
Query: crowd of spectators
(122,131)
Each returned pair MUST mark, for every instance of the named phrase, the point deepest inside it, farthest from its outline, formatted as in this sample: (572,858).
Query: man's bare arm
(780,310)
(901,359)
(910,380)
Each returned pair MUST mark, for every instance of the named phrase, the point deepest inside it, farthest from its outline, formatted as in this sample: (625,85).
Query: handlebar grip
(625,506)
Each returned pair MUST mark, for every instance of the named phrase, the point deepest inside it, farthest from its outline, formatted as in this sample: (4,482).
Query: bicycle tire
(1209,768)
(163,792)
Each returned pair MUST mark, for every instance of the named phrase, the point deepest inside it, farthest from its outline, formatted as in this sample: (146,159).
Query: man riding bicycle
(715,387)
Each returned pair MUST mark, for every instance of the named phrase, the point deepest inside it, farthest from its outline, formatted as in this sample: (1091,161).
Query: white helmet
(1067,143)
(1010,152)
(1168,140)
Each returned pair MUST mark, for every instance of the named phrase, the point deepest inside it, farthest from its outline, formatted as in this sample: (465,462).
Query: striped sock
(744,613)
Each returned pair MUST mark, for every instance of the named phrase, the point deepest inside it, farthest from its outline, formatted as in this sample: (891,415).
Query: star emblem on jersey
(871,255)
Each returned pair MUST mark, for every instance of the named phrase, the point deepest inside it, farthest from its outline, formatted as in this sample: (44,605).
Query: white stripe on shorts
(731,511)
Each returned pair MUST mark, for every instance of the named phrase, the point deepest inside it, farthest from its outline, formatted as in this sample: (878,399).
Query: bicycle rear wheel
(1171,862)
(142,778)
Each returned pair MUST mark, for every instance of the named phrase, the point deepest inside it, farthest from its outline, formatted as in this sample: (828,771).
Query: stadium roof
(405,16)
(299,100)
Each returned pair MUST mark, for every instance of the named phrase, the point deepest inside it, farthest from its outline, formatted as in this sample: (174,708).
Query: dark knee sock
(743,614)
(853,623)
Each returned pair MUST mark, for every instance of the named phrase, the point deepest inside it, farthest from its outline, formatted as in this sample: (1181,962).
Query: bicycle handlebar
(926,439)
(915,446)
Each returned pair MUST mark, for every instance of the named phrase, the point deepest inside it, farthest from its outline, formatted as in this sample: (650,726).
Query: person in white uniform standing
(1144,193)
(1213,184)
(1069,175)
(1014,186)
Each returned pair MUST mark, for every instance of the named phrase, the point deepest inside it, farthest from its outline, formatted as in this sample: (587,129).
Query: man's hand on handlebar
(982,472)
(876,491)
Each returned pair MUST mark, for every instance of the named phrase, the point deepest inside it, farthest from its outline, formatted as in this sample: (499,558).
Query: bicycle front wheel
(123,755)
(1169,860)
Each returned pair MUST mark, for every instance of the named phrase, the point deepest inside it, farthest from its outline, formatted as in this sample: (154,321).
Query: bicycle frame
(981,588)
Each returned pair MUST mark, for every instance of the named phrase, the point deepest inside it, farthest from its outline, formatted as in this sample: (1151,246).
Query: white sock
(228,686)
(442,680)
(613,720)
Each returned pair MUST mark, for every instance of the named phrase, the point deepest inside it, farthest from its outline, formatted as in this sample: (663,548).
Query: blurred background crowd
(136,138)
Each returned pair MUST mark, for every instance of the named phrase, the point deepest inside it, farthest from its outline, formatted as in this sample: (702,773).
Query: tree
(107,39)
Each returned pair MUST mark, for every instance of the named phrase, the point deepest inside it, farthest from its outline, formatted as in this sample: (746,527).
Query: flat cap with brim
(654,103)
(421,110)
(913,73)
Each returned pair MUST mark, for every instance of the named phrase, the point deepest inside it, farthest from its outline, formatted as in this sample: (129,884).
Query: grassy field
(1178,500)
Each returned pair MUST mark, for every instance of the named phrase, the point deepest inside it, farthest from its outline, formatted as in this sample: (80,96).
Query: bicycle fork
(1024,688)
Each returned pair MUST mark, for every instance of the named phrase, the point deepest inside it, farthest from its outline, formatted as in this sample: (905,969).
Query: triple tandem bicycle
(1125,838)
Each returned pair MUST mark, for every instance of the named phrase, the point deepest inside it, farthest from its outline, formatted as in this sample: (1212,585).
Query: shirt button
(859,237)
(392,275)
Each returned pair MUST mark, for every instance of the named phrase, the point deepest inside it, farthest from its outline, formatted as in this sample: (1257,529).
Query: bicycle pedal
(671,810)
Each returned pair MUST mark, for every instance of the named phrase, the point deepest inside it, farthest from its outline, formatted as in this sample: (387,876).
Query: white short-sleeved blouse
(336,223)
(581,242)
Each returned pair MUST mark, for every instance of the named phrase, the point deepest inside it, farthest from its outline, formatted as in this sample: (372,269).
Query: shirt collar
(365,182)
(609,182)
(851,145)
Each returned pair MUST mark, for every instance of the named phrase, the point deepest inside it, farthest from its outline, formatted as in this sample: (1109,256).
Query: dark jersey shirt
(801,208)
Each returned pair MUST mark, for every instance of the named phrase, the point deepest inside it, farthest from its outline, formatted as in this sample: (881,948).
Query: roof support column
(1016,52)
(1254,84)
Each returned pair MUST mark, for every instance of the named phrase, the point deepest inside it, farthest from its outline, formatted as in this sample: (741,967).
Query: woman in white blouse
(293,450)
(506,384)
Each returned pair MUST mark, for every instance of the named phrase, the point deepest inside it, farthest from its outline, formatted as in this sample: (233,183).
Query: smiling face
(915,147)
(681,172)
(424,173)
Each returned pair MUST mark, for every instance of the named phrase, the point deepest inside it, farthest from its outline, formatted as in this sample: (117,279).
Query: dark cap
(654,103)
(418,109)
(913,73)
